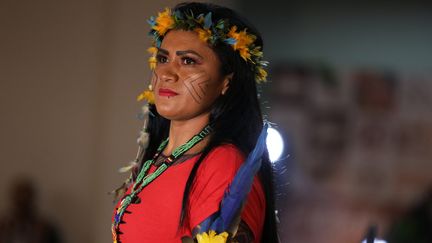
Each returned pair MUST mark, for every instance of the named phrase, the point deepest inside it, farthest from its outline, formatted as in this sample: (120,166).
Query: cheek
(197,85)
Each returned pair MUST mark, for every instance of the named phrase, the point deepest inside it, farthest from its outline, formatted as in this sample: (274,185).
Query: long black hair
(235,116)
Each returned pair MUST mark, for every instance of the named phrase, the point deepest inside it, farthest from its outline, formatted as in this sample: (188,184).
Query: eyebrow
(163,51)
(180,53)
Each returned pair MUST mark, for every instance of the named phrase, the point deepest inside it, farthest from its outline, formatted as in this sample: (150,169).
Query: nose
(168,72)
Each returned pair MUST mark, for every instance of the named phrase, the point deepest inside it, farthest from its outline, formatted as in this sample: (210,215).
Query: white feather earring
(142,141)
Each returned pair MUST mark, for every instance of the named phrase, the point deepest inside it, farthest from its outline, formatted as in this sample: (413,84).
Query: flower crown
(209,32)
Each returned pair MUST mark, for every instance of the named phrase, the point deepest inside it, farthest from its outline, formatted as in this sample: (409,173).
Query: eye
(161,58)
(188,61)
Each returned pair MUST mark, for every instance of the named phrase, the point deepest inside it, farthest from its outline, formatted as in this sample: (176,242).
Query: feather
(132,165)
(151,21)
(230,41)
(208,21)
(204,226)
(143,139)
(178,14)
(220,25)
(233,200)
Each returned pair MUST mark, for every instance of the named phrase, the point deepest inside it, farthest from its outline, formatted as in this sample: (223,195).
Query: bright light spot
(274,143)
(376,241)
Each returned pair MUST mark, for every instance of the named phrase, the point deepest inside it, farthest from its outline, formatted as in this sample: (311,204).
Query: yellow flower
(244,53)
(262,75)
(164,22)
(152,62)
(146,95)
(211,237)
(152,50)
(203,34)
(233,34)
(243,41)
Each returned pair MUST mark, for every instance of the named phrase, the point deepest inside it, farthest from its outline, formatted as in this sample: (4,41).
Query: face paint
(197,85)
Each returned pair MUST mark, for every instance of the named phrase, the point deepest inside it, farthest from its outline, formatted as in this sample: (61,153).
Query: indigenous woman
(200,174)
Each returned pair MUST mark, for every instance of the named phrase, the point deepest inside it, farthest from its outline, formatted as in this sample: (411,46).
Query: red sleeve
(212,180)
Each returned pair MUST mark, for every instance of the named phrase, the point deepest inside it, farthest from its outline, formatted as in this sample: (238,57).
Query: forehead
(180,40)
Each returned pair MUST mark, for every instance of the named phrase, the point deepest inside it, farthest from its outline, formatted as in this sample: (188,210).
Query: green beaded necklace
(143,179)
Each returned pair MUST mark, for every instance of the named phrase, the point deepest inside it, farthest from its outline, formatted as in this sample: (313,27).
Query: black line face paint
(196,84)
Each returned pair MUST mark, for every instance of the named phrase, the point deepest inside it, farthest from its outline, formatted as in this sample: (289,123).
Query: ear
(226,82)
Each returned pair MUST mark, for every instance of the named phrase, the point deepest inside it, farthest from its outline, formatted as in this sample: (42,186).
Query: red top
(156,217)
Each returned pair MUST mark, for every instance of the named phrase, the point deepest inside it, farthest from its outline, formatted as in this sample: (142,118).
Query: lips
(167,92)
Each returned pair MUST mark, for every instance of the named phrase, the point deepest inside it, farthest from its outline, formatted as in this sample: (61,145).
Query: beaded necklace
(143,179)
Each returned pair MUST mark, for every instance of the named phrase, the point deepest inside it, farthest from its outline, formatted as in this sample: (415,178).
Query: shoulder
(226,150)
(227,158)
(217,170)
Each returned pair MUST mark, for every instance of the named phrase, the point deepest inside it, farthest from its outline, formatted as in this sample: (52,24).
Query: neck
(181,131)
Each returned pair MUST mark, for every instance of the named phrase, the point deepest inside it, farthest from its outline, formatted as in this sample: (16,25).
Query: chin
(164,113)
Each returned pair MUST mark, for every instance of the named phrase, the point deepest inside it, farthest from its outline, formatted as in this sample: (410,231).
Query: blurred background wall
(70,72)
(350,91)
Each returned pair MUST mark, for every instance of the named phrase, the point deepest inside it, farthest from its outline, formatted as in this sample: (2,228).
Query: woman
(206,61)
